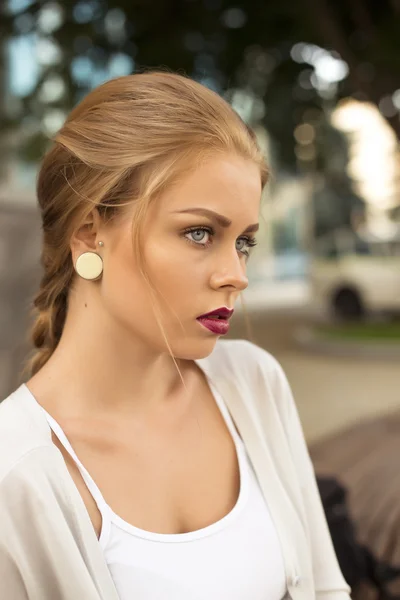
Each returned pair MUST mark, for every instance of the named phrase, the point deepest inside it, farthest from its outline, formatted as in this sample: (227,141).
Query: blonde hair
(125,142)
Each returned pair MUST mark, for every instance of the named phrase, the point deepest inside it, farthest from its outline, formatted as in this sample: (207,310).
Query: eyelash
(250,241)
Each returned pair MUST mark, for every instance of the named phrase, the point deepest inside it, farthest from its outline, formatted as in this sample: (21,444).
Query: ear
(87,236)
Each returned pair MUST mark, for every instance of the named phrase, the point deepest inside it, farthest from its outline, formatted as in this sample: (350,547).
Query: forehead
(227,184)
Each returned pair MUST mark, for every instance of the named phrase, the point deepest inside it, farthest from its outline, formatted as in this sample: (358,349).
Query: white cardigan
(48,546)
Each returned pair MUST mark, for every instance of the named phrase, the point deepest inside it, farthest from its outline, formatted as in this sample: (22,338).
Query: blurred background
(319,81)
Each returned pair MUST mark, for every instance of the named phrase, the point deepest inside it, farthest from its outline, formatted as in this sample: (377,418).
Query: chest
(238,558)
(169,478)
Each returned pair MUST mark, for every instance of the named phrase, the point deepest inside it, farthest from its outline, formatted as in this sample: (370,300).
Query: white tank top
(237,558)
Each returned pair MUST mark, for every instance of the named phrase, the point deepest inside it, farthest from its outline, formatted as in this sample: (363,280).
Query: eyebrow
(221,220)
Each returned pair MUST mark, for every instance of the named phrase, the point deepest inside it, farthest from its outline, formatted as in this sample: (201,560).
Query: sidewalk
(331,392)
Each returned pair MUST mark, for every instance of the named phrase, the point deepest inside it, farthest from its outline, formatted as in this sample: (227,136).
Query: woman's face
(196,239)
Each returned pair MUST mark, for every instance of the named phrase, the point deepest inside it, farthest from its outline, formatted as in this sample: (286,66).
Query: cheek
(174,270)
(123,287)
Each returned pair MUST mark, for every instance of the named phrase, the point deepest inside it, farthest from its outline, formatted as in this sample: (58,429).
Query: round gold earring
(89,265)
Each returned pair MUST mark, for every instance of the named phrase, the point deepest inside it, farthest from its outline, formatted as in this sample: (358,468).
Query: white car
(351,277)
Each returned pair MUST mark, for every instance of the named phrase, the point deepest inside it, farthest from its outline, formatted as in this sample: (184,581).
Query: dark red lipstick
(217,321)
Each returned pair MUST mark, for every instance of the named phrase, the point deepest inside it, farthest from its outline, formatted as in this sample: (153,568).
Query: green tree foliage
(247,44)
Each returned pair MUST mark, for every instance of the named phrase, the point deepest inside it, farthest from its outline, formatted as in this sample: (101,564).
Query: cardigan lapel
(236,393)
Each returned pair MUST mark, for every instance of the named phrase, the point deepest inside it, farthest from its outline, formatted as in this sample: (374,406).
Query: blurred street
(331,392)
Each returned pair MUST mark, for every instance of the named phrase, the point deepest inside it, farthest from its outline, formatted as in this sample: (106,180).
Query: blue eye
(201,236)
(244,244)
(198,236)
(241,244)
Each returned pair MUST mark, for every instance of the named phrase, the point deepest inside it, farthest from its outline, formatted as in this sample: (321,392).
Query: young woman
(144,458)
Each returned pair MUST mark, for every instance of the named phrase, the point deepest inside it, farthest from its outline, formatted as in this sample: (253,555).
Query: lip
(223,312)
(217,326)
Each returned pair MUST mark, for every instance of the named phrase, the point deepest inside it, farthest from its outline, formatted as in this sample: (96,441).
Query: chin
(196,350)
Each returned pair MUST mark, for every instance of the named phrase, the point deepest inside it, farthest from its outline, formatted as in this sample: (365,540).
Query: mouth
(217,321)
(219,313)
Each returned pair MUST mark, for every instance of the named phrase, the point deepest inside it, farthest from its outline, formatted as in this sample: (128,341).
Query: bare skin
(159,452)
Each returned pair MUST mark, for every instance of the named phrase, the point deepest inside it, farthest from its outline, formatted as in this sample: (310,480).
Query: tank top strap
(92,487)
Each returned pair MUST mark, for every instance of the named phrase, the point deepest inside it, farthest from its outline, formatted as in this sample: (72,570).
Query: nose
(229,272)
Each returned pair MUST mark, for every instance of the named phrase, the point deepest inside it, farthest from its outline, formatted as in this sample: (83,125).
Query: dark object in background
(357,563)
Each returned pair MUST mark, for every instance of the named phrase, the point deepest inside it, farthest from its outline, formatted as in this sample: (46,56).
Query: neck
(97,367)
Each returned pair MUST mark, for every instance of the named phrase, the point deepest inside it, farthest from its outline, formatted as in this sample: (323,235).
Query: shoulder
(250,367)
(244,358)
(251,375)
(23,430)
